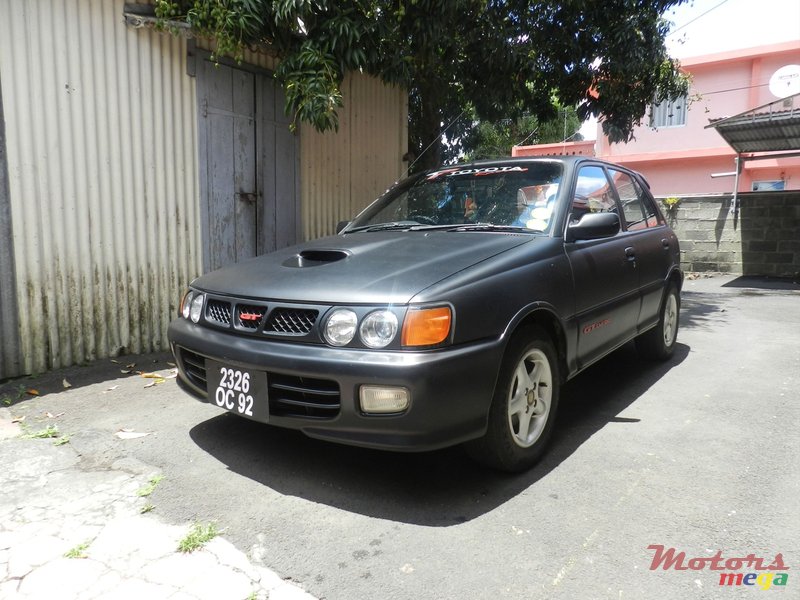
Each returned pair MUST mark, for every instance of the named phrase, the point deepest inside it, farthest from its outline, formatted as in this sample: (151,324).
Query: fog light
(383,399)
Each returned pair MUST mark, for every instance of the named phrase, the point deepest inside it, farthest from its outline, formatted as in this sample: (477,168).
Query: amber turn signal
(426,326)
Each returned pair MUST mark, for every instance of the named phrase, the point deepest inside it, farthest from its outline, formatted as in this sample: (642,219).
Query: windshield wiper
(416,226)
(383,226)
(491,227)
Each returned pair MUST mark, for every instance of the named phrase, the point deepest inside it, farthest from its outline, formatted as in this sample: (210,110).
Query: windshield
(518,196)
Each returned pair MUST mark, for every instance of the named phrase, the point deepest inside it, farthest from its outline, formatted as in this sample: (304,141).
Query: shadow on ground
(764,283)
(104,371)
(440,488)
(702,310)
(708,310)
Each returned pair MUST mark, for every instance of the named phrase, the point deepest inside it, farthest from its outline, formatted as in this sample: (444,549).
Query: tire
(658,343)
(524,405)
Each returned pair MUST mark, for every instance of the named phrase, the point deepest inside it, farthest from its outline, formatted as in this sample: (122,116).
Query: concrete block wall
(762,238)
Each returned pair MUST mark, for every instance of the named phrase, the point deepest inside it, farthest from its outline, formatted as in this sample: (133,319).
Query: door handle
(630,256)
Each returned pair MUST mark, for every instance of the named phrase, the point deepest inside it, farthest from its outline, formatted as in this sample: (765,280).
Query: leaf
(18,419)
(66,384)
(111,389)
(125,371)
(130,366)
(50,415)
(32,392)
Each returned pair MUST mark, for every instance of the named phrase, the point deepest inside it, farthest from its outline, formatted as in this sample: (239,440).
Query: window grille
(669,113)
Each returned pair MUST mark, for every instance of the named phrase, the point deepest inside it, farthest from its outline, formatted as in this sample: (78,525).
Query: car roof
(519,160)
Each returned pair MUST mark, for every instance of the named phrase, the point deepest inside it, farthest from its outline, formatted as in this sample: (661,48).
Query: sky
(711,26)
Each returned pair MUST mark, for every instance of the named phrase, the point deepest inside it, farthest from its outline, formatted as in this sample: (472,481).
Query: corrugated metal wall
(342,172)
(9,327)
(100,127)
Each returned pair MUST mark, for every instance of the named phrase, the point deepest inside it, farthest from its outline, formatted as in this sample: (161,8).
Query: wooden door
(248,165)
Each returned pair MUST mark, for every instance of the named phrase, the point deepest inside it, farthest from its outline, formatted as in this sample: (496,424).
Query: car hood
(365,267)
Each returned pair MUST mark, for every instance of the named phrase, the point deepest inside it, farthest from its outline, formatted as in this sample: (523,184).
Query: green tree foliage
(499,58)
(495,139)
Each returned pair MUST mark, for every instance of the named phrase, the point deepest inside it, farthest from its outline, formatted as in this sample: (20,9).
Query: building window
(669,113)
(776,185)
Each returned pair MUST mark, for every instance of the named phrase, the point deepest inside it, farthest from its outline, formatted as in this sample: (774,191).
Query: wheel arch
(545,318)
(675,276)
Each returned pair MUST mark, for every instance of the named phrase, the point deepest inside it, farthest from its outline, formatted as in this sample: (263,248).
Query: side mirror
(341,225)
(594,226)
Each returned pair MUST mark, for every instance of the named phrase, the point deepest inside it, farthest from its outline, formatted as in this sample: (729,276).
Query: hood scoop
(315,258)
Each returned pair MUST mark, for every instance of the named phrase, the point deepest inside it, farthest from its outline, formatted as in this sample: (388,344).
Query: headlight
(378,328)
(340,328)
(197,307)
(426,326)
(186,304)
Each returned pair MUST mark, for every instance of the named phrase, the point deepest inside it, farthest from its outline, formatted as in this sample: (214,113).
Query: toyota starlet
(449,311)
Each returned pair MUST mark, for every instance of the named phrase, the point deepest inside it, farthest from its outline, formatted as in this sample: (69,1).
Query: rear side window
(654,217)
(637,213)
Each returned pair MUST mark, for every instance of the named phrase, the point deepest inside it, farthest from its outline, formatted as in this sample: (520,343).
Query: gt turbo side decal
(595,326)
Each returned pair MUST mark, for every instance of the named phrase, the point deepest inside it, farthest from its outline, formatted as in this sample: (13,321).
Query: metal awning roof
(774,127)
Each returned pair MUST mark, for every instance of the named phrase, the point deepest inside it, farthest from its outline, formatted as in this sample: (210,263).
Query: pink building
(675,150)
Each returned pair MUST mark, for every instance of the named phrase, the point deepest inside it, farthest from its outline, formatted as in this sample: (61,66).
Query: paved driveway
(700,454)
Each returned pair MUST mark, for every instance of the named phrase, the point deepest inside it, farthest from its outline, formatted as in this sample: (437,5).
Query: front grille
(250,317)
(194,366)
(218,311)
(291,396)
(291,320)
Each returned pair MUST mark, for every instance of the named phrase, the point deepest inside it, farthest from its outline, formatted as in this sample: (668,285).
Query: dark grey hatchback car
(449,311)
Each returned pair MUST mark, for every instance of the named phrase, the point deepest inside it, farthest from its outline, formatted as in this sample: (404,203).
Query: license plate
(239,391)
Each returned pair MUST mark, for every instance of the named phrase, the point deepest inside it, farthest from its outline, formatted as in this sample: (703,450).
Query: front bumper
(450,388)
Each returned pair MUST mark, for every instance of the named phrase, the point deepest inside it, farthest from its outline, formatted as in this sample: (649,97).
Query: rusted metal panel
(102,162)
(9,323)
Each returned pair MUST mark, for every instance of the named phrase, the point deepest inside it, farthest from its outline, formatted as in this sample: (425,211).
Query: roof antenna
(432,143)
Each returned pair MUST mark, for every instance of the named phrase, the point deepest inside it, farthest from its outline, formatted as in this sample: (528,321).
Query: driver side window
(592,193)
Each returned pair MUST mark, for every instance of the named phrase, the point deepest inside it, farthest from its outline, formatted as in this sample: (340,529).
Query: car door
(651,240)
(606,279)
